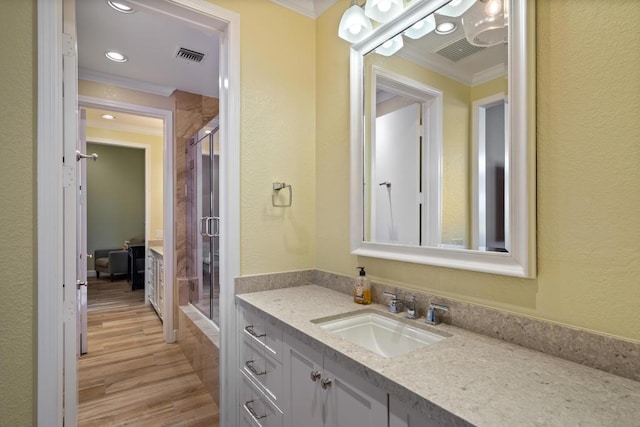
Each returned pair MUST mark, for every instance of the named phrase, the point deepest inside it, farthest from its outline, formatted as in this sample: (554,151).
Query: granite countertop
(466,378)
(157,249)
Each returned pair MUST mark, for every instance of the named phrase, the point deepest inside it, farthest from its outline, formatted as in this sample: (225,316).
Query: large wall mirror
(443,137)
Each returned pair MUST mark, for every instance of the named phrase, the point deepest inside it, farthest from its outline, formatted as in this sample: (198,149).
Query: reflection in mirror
(442,145)
(436,151)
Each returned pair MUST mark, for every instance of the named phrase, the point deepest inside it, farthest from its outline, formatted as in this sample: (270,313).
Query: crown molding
(311,8)
(494,72)
(110,79)
(441,66)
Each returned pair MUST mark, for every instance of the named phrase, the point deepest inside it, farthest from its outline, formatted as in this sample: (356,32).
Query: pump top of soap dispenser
(362,273)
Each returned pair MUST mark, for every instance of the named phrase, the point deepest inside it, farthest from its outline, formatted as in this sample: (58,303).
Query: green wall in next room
(115,197)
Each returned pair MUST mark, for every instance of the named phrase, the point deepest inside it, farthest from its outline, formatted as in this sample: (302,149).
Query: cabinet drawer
(262,369)
(255,409)
(261,331)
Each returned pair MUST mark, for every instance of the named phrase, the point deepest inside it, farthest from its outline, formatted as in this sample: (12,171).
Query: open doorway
(60,125)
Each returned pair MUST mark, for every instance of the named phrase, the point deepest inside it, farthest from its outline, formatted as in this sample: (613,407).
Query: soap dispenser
(362,290)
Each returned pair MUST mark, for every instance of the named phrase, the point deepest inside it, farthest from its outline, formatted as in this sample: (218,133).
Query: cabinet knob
(315,375)
(325,383)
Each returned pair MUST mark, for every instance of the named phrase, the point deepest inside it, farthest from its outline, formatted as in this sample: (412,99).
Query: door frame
(50,219)
(168,331)
(432,109)
(478,173)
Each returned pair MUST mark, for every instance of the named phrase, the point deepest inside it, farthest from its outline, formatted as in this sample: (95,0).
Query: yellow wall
(588,91)
(588,174)
(278,135)
(155,152)
(18,260)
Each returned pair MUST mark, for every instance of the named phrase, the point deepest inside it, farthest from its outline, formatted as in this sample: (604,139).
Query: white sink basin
(384,335)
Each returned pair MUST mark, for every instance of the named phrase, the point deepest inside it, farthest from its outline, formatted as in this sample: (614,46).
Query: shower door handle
(216,227)
(204,226)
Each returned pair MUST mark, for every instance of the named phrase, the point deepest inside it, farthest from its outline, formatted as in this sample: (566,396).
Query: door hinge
(68,176)
(68,45)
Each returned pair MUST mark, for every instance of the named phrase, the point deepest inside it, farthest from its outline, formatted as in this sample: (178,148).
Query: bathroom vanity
(155,279)
(295,372)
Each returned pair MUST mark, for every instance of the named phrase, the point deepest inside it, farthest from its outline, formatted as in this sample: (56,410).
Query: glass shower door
(205,296)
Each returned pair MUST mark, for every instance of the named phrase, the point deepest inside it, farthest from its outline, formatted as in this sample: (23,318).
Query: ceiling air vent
(190,55)
(458,50)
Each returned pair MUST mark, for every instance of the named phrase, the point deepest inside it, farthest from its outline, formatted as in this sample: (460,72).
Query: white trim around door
(167,191)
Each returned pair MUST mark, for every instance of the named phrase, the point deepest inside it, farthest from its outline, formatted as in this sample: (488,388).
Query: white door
(396,174)
(70,214)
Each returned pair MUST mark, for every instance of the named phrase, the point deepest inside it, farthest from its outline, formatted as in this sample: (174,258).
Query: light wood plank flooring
(130,376)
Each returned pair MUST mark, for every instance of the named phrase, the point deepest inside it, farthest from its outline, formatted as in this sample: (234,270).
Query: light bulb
(116,56)
(493,7)
(418,25)
(446,28)
(384,5)
(387,44)
(454,3)
(355,29)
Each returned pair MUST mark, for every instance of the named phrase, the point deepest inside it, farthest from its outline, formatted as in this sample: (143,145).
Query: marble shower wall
(191,112)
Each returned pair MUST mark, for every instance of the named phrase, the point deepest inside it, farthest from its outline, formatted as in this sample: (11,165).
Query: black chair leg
(97,274)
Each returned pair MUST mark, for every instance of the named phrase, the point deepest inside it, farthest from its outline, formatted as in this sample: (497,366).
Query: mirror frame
(520,261)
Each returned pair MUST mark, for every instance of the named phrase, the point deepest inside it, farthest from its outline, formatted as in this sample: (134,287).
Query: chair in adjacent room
(111,261)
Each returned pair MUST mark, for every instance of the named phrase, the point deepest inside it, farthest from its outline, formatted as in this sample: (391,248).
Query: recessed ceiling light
(108,116)
(446,27)
(116,56)
(120,7)
(208,131)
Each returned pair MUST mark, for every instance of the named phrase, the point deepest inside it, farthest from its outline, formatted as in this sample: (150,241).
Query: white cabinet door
(304,398)
(345,400)
(352,401)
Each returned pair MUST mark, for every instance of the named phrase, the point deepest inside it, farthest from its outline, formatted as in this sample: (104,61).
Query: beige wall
(17,212)
(588,91)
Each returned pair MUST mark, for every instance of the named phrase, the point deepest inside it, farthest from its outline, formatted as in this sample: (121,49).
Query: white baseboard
(91,273)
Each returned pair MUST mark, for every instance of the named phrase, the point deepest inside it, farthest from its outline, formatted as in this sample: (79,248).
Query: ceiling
(124,122)
(151,41)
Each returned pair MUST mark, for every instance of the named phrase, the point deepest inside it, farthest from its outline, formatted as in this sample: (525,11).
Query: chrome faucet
(395,304)
(412,313)
(432,314)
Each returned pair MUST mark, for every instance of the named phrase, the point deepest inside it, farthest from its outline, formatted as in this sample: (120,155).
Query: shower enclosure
(203,160)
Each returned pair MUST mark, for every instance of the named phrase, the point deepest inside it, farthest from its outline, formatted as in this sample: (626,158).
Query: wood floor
(130,377)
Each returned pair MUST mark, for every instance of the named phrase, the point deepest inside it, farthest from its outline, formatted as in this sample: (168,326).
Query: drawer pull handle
(325,383)
(253,333)
(252,411)
(249,365)
(315,375)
